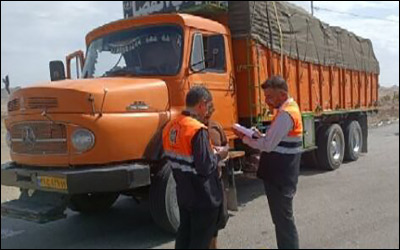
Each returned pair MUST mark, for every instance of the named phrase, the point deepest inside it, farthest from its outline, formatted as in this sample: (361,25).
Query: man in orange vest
(188,150)
(279,168)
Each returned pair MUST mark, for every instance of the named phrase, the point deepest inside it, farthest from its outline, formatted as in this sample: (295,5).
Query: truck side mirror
(57,71)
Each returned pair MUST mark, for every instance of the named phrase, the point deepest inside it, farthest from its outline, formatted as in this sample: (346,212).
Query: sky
(34,33)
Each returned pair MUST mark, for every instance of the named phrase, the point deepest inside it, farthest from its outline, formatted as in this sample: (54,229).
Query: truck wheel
(163,201)
(354,141)
(92,203)
(331,147)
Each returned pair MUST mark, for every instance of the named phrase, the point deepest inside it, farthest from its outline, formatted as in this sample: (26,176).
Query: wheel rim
(336,148)
(171,196)
(356,142)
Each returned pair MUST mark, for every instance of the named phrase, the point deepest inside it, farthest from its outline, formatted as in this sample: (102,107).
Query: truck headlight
(83,140)
(8,139)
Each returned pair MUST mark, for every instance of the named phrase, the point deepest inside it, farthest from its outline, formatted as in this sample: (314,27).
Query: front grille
(13,105)
(39,138)
(48,148)
(42,103)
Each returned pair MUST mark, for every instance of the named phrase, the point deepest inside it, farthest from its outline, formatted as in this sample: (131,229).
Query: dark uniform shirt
(203,190)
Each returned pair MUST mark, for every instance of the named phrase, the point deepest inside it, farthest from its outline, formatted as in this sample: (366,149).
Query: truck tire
(92,203)
(354,141)
(330,151)
(163,201)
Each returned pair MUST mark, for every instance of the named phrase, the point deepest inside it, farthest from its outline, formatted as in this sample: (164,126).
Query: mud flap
(228,177)
(40,207)
(363,120)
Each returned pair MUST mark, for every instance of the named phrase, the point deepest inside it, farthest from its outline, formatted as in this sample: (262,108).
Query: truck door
(211,65)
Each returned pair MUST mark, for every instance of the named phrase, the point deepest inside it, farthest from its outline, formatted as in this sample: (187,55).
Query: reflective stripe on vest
(293,142)
(290,145)
(186,159)
(177,143)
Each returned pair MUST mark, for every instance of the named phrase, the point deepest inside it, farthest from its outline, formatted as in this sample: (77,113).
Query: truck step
(39,207)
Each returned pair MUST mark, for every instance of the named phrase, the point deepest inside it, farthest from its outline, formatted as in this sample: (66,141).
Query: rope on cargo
(271,34)
(280,34)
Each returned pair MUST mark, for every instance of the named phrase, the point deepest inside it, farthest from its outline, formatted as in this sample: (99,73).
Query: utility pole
(312,8)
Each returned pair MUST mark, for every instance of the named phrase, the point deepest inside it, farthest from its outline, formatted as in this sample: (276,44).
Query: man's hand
(257,134)
(223,152)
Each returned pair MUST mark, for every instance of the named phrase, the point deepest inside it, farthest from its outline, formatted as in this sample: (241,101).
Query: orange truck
(94,132)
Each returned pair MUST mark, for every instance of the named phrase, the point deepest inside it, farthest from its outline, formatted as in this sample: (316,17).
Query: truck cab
(97,133)
(134,79)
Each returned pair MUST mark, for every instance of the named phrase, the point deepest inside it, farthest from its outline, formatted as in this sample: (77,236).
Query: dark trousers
(196,229)
(280,202)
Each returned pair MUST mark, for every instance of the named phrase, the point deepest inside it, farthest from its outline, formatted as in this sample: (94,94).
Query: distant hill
(388,91)
(4,94)
(4,98)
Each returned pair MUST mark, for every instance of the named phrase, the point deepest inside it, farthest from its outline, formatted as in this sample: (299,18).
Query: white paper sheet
(246,131)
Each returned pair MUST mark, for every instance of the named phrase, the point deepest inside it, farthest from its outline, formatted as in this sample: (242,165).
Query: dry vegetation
(388,110)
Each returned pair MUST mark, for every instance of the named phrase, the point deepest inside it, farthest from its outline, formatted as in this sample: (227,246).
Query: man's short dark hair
(197,94)
(276,82)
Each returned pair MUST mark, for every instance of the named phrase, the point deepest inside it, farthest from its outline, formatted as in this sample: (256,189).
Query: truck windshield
(149,51)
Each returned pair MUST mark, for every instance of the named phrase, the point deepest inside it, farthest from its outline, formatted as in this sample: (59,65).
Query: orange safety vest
(177,142)
(293,142)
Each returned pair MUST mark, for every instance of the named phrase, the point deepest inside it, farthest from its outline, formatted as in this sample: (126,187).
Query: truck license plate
(53,183)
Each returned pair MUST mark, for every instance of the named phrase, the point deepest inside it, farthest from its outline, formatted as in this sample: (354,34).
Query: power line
(355,15)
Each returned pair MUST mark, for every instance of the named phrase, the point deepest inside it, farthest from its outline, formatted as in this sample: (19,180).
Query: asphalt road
(356,206)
